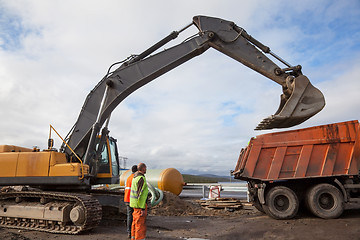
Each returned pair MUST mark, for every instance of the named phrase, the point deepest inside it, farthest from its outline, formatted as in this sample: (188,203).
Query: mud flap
(261,193)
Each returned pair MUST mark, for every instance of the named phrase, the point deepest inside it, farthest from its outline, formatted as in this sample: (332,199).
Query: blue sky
(195,118)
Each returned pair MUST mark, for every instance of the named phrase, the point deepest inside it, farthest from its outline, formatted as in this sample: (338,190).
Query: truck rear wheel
(325,201)
(281,203)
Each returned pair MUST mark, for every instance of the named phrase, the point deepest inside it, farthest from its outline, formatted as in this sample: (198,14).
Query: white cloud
(178,119)
(342,94)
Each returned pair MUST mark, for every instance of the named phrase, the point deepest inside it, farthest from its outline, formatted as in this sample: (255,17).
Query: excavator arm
(299,101)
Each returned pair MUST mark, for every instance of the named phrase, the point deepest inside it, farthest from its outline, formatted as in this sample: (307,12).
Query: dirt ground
(177,218)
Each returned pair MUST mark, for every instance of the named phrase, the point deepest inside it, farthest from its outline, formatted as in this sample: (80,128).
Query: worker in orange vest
(129,210)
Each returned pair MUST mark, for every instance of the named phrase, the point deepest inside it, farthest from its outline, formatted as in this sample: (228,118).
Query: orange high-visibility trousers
(138,227)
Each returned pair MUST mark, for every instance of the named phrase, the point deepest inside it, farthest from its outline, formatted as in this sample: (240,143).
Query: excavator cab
(108,163)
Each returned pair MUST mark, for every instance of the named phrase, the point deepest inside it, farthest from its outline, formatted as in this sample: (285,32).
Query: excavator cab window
(114,157)
(104,166)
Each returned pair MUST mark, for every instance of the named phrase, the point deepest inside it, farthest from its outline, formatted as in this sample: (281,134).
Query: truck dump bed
(321,151)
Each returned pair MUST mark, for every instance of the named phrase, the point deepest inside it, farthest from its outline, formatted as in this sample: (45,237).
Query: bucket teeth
(275,121)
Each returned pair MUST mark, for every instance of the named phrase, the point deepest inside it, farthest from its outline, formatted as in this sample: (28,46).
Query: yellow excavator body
(23,162)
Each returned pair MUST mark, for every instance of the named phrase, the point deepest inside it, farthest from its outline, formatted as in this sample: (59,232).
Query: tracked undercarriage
(54,212)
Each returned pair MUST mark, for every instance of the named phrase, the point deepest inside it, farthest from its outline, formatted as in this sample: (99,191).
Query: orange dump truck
(318,165)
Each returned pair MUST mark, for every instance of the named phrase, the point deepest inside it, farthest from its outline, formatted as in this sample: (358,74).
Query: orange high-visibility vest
(128,188)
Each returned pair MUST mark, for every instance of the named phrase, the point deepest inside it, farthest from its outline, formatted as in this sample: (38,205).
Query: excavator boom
(299,101)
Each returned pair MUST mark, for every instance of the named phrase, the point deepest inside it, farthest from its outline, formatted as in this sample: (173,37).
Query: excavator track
(54,212)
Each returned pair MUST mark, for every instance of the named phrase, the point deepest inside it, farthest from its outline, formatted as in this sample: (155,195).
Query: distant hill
(206,178)
(213,176)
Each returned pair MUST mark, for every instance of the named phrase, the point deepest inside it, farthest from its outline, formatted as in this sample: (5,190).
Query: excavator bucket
(304,102)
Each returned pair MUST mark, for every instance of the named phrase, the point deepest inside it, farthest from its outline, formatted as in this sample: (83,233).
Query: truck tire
(325,201)
(281,203)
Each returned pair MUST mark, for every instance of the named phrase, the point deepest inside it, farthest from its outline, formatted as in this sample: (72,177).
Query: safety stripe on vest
(134,194)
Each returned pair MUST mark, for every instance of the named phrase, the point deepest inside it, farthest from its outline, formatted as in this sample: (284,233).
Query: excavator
(58,197)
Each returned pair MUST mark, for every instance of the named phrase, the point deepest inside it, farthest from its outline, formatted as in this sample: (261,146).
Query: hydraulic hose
(156,195)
